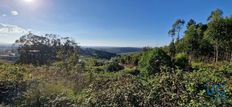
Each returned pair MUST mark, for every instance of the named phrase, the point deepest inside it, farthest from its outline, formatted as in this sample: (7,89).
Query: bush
(114,67)
(181,61)
(121,92)
(134,72)
(153,61)
(13,82)
(53,94)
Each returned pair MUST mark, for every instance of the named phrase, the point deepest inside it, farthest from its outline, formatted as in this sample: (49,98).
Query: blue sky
(131,23)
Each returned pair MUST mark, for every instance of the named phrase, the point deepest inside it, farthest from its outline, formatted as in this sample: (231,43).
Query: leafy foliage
(39,50)
(114,67)
(13,82)
(181,61)
(154,61)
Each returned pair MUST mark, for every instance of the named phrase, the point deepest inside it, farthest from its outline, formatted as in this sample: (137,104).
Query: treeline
(208,42)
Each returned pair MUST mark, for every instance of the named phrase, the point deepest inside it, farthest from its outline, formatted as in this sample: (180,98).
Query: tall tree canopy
(39,50)
(214,33)
(176,28)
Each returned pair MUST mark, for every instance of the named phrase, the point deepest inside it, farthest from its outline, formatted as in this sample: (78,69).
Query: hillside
(118,50)
(6,51)
(89,52)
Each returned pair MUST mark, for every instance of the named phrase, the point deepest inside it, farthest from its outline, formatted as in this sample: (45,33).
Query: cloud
(10,33)
(6,29)
(14,13)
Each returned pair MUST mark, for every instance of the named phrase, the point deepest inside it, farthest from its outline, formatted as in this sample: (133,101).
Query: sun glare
(29,1)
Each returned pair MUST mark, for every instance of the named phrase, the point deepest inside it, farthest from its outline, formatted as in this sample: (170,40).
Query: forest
(193,70)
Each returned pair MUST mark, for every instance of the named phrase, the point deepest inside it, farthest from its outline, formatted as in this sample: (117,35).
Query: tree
(191,22)
(227,24)
(175,31)
(39,50)
(68,54)
(215,30)
(176,28)
(172,49)
(34,49)
(191,38)
(215,15)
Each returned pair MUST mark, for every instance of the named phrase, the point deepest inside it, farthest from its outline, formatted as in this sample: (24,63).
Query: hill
(84,51)
(117,50)
(89,52)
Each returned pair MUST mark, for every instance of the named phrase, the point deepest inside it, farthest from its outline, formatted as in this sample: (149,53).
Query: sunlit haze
(29,1)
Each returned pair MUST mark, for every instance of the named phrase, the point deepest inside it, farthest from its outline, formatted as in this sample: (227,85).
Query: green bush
(131,59)
(134,72)
(13,82)
(181,61)
(49,94)
(114,67)
(116,92)
(153,61)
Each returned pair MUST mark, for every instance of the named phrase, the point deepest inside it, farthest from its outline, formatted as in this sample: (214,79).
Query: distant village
(7,54)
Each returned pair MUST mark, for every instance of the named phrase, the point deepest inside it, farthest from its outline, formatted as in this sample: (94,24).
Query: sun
(29,1)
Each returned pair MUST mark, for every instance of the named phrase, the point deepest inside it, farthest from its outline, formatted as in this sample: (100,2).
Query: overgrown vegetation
(50,71)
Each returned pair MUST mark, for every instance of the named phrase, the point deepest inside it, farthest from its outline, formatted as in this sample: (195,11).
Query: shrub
(153,61)
(114,67)
(181,61)
(120,92)
(49,94)
(13,82)
(134,72)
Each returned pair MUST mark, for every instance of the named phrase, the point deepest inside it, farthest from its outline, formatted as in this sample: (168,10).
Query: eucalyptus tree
(214,33)
(39,50)
(173,32)
(176,28)
(34,49)
(191,22)
(191,39)
(227,24)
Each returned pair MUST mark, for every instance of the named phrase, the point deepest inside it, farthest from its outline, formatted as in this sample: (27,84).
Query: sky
(121,23)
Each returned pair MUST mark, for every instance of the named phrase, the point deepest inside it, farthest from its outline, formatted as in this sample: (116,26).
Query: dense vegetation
(50,71)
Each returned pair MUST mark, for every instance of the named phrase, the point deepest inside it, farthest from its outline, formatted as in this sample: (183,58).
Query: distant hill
(5,46)
(117,50)
(98,52)
(89,52)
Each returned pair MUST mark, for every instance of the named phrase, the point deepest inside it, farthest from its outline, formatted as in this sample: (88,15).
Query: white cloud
(10,33)
(6,28)
(14,13)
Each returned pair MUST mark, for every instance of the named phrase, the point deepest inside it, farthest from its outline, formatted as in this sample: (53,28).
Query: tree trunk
(231,57)
(216,57)
(190,58)
(178,33)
